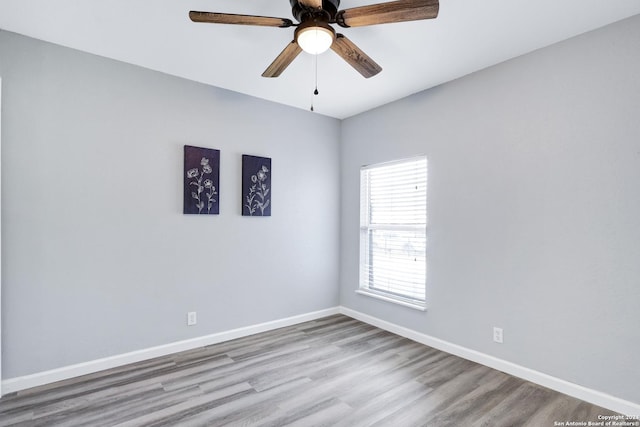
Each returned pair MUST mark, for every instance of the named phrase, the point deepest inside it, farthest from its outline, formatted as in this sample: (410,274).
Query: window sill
(383,297)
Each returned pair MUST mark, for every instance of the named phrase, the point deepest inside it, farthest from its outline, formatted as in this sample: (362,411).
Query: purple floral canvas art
(201,181)
(256,186)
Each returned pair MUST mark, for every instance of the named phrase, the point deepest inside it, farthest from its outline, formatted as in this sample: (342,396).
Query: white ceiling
(157,34)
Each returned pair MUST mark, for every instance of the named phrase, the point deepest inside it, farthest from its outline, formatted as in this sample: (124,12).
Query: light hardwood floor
(334,371)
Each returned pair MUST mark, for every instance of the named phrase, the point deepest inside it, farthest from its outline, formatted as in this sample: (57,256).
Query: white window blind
(393,230)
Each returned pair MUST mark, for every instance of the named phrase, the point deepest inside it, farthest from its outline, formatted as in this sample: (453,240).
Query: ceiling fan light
(315,39)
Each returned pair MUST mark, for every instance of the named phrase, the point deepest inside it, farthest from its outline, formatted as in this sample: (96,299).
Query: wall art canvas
(256,186)
(201,181)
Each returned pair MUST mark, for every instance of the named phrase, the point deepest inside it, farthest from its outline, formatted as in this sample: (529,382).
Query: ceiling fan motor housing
(303,13)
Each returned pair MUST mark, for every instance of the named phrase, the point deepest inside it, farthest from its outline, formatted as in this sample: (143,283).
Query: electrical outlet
(497,335)
(191,318)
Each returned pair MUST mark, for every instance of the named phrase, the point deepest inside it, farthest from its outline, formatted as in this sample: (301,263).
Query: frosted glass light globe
(315,40)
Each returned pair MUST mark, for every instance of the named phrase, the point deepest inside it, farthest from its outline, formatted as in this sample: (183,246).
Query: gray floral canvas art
(256,186)
(201,181)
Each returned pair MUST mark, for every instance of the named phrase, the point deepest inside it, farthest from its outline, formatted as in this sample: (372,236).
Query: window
(393,231)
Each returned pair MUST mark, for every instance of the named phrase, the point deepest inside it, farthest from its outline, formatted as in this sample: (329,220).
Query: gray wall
(533,208)
(98,258)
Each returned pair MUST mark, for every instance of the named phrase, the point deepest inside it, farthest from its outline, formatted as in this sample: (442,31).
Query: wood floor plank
(561,409)
(384,404)
(176,411)
(334,371)
(509,412)
(467,408)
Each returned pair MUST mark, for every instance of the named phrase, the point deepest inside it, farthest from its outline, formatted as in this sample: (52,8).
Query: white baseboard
(580,392)
(583,393)
(41,378)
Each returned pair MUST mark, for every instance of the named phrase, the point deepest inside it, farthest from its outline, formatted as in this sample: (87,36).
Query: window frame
(365,243)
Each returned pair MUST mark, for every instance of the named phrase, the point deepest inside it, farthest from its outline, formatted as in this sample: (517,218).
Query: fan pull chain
(315,92)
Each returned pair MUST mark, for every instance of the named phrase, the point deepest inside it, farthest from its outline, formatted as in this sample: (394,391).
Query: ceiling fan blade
(229,18)
(355,57)
(314,4)
(283,60)
(383,13)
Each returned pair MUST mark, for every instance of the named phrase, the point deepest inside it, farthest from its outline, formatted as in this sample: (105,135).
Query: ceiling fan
(315,35)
